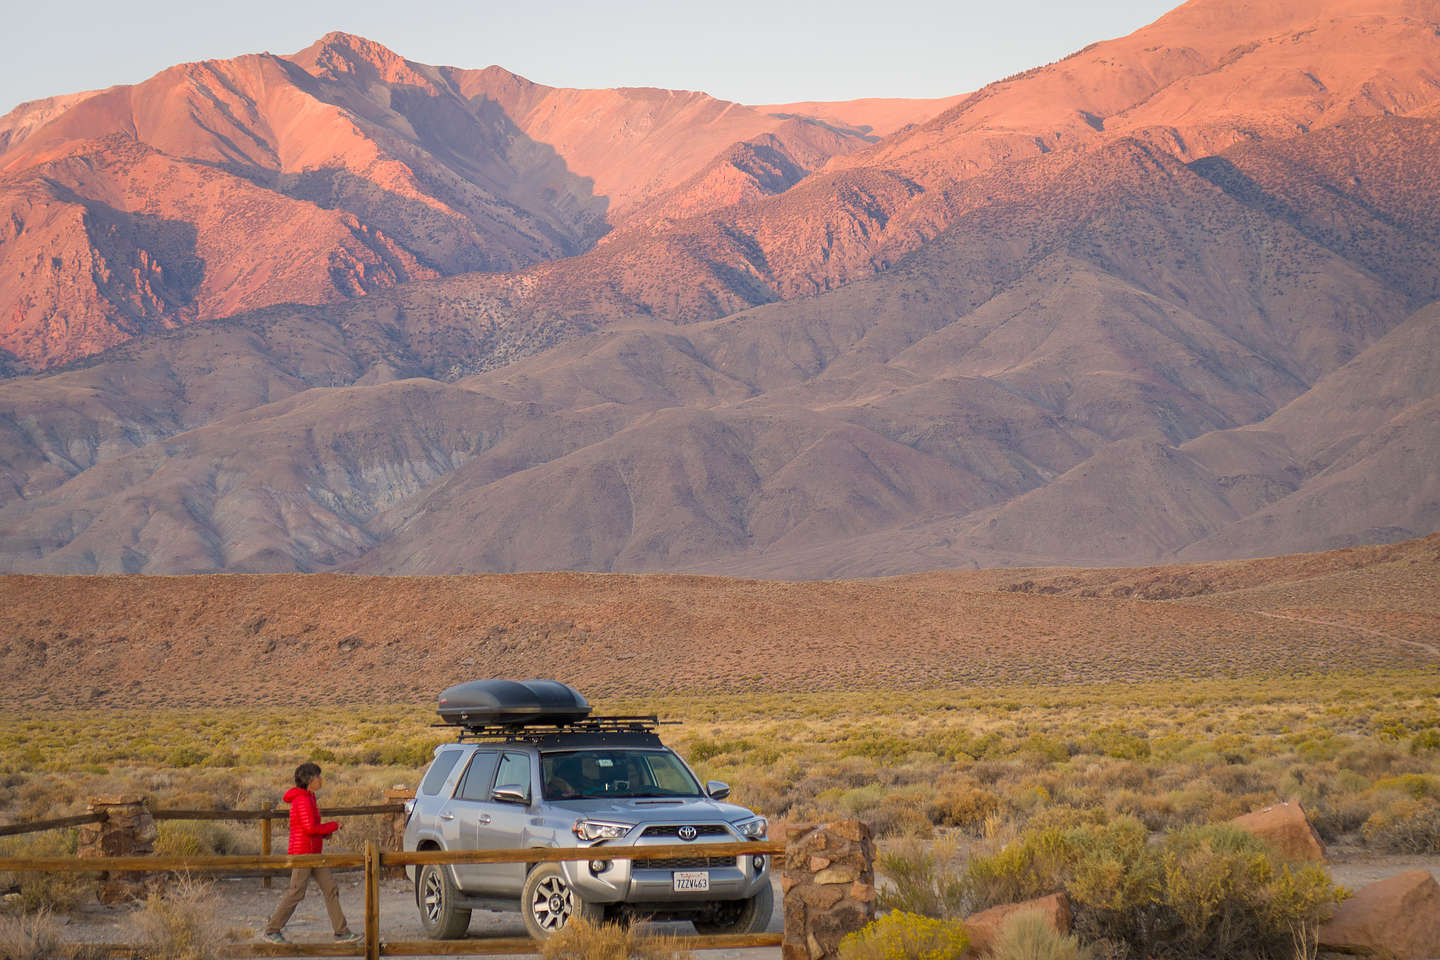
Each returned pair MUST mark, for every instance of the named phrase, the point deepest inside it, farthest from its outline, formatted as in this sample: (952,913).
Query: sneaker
(346,937)
(276,937)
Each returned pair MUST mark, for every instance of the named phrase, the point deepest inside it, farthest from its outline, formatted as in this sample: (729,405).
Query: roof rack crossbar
(522,729)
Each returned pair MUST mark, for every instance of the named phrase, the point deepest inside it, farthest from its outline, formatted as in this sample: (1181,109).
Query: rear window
(476,785)
(439,772)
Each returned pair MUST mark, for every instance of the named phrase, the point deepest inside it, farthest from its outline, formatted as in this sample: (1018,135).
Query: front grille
(685,863)
(701,830)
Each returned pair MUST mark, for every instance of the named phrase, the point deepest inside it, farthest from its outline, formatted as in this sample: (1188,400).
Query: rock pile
(829,883)
(127,830)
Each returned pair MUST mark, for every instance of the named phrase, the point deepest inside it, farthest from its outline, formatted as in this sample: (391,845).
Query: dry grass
(183,923)
(582,940)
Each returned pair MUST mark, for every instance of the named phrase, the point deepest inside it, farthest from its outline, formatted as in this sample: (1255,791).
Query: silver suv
(604,784)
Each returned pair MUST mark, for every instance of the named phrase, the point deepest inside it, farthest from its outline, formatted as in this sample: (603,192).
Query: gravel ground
(248,905)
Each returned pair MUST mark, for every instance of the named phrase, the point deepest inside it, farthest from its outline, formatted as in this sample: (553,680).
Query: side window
(514,773)
(439,771)
(475,785)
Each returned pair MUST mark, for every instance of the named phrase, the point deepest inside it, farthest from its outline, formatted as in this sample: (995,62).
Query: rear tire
(549,902)
(436,896)
(740,916)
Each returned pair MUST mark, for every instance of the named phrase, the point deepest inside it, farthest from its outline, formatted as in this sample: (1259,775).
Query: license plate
(692,880)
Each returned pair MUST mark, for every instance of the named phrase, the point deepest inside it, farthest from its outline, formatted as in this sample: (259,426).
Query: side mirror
(717,790)
(510,795)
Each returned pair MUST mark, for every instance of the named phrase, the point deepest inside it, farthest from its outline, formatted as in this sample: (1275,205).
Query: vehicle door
(509,808)
(469,812)
(432,801)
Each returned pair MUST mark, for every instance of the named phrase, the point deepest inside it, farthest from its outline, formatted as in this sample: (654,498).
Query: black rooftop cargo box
(485,703)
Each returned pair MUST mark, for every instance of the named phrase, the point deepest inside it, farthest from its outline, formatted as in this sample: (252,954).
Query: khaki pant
(298,878)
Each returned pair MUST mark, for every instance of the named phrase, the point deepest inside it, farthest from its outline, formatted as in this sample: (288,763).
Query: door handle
(483,818)
(447,816)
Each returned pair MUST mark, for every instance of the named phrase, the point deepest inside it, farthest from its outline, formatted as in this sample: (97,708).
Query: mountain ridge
(938,349)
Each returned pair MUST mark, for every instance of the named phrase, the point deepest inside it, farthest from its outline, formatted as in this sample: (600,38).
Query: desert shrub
(1040,750)
(193,838)
(1426,741)
(45,890)
(180,924)
(186,757)
(1406,825)
(1117,743)
(967,808)
(1371,760)
(1416,785)
(1028,867)
(1027,935)
(1063,816)
(923,880)
(1238,778)
(907,936)
(360,829)
(1211,891)
(581,940)
(1339,814)
(415,754)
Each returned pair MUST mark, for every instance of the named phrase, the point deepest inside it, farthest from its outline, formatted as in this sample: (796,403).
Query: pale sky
(753,51)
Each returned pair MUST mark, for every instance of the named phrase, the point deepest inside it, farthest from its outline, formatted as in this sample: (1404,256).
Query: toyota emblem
(687,833)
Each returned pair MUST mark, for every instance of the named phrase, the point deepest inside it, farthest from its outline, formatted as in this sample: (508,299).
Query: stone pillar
(394,838)
(128,830)
(829,883)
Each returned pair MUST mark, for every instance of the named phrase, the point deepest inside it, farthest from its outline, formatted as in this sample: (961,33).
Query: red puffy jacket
(307,833)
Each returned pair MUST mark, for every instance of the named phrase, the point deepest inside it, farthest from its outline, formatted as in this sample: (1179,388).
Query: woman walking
(307,835)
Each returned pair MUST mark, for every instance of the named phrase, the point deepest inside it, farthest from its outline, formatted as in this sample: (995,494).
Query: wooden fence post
(265,831)
(395,836)
(372,901)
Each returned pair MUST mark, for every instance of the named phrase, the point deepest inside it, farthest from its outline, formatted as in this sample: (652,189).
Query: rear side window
(439,772)
(476,785)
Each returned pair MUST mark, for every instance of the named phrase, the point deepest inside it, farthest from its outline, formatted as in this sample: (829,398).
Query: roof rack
(527,730)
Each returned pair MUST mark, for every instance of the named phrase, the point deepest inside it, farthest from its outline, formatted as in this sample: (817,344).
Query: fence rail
(374,861)
(266,817)
(16,829)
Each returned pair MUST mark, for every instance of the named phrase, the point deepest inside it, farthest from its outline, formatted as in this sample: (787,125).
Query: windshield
(600,774)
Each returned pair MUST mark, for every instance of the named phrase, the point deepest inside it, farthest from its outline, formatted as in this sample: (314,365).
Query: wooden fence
(373,860)
(266,818)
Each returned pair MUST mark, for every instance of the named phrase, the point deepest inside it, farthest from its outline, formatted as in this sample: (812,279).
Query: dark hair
(305,773)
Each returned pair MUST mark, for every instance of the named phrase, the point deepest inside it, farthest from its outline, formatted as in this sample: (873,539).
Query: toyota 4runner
(524,779)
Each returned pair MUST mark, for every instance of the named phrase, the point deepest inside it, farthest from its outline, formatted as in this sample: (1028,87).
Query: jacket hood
(293,794)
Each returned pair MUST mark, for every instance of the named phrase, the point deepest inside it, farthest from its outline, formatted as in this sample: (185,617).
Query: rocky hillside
(217,187)
(240,640)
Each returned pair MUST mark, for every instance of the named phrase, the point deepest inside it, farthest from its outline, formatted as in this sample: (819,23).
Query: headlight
(590,830)
(753,829)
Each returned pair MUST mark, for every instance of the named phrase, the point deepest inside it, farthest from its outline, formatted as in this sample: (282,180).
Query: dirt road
(247,906)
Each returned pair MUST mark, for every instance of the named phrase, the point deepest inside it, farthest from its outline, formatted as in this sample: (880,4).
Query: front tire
(549,902)
(436,896)
(739,916)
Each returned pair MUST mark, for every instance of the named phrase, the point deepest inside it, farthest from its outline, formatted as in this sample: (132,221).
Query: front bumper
(638,881)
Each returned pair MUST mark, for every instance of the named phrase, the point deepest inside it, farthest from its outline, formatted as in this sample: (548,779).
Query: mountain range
(1176,296)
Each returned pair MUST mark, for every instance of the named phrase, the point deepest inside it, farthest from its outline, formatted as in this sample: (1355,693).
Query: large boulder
(1394,918)
(985,925)
(1286,830)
